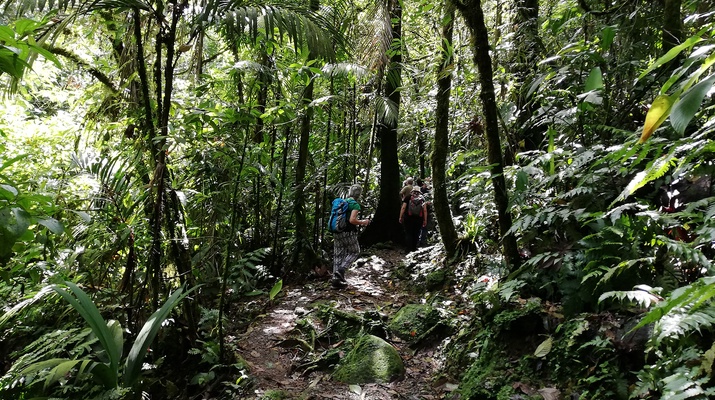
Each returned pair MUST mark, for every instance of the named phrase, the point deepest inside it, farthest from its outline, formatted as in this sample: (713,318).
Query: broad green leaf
(88,310)
(10,61)
(595,80)
(52,224)
(672,53)
(607,36)
(7,35)
(13,226)
(117,335)
(658,112)
(544,348)
(276,289)
(60,371)
(135,358)
(25,27)
(7,192)
(39,366)
(685,109)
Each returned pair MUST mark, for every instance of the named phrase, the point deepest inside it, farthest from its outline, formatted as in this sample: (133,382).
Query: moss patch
(413,320)
(372,360)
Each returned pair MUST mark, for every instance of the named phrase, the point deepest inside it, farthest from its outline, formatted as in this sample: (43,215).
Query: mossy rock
(413,320)
(372,360)
(435,279)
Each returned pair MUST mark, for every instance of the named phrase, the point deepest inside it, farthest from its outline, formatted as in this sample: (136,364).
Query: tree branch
(97,74)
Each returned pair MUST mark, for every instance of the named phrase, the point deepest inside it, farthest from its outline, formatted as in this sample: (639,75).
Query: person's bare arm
(355,221)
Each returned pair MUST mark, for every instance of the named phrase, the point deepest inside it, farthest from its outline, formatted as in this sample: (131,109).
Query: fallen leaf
(550,393)
(356,389)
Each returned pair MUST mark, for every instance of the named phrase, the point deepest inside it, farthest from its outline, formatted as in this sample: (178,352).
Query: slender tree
(523,63)
(441,135)
(471,11)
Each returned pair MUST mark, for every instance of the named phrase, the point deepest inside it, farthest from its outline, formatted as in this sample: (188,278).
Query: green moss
(413,320)
(435,279)
(372,360)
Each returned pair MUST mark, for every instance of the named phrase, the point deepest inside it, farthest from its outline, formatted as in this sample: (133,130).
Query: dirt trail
(371,288)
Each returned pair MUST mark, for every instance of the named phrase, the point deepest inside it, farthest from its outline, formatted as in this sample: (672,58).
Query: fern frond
(679,324)
(641,296)
(681,386)
(687,297)
(656,169)
(624,266)
(685,251)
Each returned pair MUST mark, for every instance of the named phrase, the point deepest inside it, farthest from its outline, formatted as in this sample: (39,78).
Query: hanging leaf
(595,80)
(52,224)
(658,112)
(276,289)
(544,348)
(607,37)
(685,109)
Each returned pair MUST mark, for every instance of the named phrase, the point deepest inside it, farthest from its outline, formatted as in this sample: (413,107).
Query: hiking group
(344,220)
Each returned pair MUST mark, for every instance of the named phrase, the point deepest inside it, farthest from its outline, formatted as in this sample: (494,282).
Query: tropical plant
(106,363)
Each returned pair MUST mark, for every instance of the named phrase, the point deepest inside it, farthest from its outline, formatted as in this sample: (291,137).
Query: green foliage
(19,47)
(99,354)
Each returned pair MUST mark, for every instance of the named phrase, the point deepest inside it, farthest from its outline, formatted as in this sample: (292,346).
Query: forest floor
(372,287)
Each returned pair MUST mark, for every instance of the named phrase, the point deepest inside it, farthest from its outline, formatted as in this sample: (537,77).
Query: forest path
(272,354)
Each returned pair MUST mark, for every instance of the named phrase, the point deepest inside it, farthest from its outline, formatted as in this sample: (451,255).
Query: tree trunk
(672,29)
(526,137)
(385,225)
(441,137)
(471,10)
(303,256)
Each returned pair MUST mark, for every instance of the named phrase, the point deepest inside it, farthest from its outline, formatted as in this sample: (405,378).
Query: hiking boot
(338,281)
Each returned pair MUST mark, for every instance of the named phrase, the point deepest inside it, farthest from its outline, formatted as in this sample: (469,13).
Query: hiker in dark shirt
(429,210)
(413,215)
(346,248)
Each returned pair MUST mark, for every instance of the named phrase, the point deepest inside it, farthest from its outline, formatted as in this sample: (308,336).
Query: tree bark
(304,255)
(441,137)
(385,225)
(672,30)
(523,61)
(471,10)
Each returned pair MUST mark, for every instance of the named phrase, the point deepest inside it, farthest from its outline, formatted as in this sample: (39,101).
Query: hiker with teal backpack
(343,224)
(413,215)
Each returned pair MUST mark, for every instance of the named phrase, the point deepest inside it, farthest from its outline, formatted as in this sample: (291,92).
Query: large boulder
(372,360)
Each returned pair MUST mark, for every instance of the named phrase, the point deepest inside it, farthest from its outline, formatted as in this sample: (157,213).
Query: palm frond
(345,70)
(387,110)
(298,24)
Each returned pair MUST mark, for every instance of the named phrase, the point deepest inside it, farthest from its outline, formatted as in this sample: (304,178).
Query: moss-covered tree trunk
(471,10)
(441,136)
